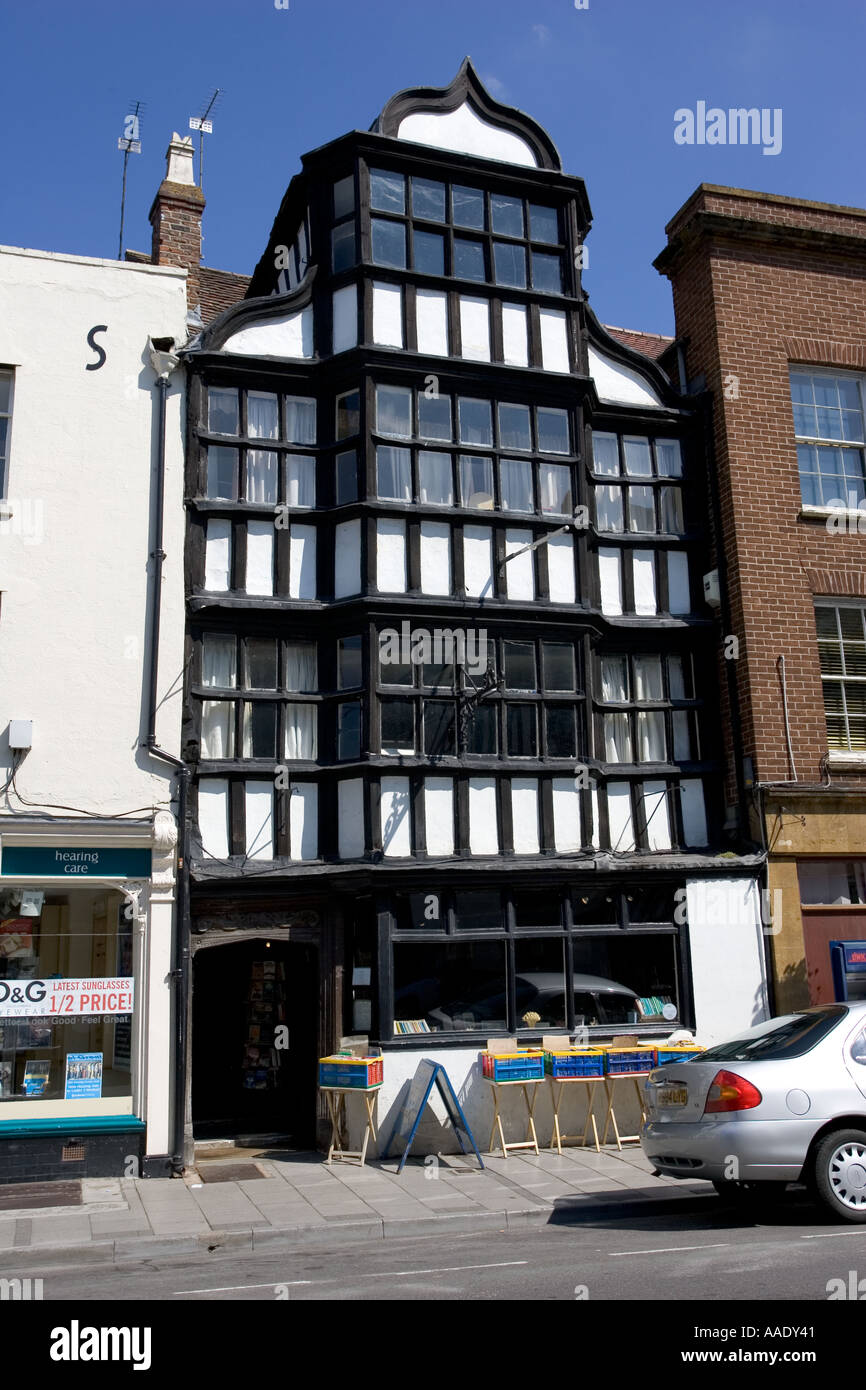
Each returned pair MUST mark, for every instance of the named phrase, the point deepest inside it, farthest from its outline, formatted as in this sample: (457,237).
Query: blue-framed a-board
(427,1075)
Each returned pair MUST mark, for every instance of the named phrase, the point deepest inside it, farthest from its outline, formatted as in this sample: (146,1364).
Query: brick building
(770,303)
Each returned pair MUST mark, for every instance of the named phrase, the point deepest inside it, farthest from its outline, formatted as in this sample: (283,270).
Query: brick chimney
(176,217)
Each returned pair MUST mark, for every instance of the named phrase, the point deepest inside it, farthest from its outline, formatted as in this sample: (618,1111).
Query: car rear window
(792,1036)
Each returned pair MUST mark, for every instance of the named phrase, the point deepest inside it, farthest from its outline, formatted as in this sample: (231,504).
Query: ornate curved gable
(623,376)
(268,326)
(464,117)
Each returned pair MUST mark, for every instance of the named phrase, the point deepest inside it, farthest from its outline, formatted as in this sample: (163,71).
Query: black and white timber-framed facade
(414,425)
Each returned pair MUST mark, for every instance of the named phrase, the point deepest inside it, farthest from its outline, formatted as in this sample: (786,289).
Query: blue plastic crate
(676,1054)
(512,1068)
(629,1059)
(562,1065)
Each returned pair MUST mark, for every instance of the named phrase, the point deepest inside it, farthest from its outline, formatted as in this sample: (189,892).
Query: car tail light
(731,1092)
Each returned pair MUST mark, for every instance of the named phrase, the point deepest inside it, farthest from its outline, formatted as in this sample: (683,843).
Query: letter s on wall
(94,366)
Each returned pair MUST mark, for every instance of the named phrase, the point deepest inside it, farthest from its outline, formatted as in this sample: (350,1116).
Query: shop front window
(66,997)
(449,986)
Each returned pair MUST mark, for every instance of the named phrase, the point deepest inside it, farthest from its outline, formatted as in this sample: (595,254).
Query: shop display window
(66,995)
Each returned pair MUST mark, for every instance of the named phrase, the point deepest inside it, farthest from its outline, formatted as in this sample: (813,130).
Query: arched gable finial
(402,118)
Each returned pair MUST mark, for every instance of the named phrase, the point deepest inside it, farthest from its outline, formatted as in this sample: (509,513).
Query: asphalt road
(678,1251)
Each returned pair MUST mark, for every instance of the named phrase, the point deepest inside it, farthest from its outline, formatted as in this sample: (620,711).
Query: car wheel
(840,1173)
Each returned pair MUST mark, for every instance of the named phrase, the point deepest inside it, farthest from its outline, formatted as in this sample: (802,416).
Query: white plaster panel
(694,812)
(213,816)
(515,335)
(679,597)
(387,315)
(560,569)
(439,815)
(475,328)
(435,552)
(554,340)
(390,556)
(519,573)
(260,558)
(217,556)
(610,577)
(619,817)
(478,561)
(302,562)
(347,559)
(350,818)
(345,311)
(466,132)
(431,322)
(259,814)
(288,336)
(483,827)
(655,815)
(396,817)
(524,815)
(644,580)
(566,816)
(620,384)
(304,821)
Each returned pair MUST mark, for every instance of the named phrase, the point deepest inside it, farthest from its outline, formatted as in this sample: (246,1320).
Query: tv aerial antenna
(204,126)
(130,143)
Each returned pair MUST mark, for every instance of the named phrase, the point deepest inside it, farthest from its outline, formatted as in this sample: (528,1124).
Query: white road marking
(669,1249)
(834,1235)
(271,1284)
(387,1274)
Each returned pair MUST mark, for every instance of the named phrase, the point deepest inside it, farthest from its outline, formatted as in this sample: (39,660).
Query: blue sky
(605,81)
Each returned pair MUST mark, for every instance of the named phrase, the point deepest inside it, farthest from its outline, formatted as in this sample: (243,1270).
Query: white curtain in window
(301,672)
(644,579)
(300,731)
(515,478)
(300,420)
(554,489)
(300,481)
(217,727)
(614,679)
(262,416)
(608,508)
(651,737)
(617,739)
(262,475)
(648,678)
(219,661)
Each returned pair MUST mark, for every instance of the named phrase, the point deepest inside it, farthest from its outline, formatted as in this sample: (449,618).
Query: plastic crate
(356,1073)
(513,1066)
(618,1060)
(677,1053)
(577,1061)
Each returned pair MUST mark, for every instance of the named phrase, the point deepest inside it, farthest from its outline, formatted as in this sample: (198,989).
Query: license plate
(673,1095)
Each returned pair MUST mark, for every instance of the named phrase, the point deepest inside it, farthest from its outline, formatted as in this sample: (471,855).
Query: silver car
(783,1102)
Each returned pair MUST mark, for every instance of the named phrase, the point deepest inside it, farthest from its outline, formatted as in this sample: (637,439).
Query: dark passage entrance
(248,996)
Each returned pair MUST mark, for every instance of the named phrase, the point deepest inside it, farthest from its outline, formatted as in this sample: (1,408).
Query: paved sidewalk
(301,1201)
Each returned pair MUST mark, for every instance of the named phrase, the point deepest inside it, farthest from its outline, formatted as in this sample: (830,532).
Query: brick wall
(760,282)
(176,220)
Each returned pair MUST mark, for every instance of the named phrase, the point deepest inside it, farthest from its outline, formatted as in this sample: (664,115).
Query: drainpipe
(164,361)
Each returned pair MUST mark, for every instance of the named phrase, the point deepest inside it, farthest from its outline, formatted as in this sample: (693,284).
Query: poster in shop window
(83,1076)
(121,1059)
(65,999)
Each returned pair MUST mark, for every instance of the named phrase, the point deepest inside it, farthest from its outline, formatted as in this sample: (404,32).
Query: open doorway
(254,1041)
